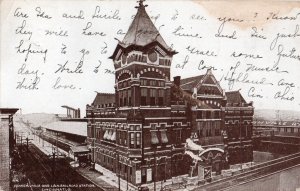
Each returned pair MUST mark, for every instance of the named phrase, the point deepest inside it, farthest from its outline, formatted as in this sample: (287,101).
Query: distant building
(140,132)
(239,128)
(7,142)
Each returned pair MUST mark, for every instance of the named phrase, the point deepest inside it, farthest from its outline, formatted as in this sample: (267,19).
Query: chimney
(177,80)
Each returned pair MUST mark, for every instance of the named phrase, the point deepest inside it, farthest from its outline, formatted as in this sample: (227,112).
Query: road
(43,173)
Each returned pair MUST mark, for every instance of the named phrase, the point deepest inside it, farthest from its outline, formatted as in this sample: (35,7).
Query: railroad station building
(140,131)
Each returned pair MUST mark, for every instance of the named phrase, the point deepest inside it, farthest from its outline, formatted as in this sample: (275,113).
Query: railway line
(42,171)
(258,171)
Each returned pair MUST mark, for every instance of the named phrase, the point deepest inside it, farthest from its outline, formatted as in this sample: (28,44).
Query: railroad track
(226,183)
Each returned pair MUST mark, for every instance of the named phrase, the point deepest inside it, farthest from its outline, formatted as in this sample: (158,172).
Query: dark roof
(142,31)
(104,98)
(234,97)
(190,83)
(178,94)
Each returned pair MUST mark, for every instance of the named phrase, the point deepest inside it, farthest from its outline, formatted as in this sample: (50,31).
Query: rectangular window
(138,140)
(131,140)
(143,96)
(143,82)
(152,96)
(217,114)
(161,94)
(137,127)
(178,136)
(120,137)
(208,114)
(125,138)
(125,98)
(120,98)
(129,97)
(199,114)
(161,84)
(152,83)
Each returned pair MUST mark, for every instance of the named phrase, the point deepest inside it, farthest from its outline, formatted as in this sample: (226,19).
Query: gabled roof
(189,83)
(234,97)
(142,30)
(104,98)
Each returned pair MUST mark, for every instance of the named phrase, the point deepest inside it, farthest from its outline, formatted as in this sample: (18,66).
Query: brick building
(239,127)
(140,132)
(6,146)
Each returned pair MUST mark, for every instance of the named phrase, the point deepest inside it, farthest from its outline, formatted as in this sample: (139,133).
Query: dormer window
(124,59)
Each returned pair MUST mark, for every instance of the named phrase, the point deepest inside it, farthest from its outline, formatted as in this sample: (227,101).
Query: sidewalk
(96,178)
(103,181)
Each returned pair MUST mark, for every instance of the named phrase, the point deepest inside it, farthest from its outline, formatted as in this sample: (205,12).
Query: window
(217,114)
(131,127)
(161,83)
(125,137)
(129,97)
(161,97)
(152,83)
(217,132)
(143,96)
(152,96)
(208,114)
(125,98)
(120,98)
(143,82)
(120,137)
(131,140)
(199,114)
(138,140)
(178,136)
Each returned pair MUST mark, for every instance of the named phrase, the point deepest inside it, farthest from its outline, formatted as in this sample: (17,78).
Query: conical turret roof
(142,30)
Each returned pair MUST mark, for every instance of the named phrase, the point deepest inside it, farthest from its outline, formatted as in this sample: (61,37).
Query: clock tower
(142,62)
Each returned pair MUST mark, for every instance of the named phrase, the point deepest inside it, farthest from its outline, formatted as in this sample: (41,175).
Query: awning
(154,139)
(113,136)
(105,134)
(83,149)
(109,134)
(164,138)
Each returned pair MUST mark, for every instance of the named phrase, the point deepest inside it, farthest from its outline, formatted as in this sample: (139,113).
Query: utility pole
(53,167)
(119,179)
(240,126)
(27,141)
(155,169)
(127,176)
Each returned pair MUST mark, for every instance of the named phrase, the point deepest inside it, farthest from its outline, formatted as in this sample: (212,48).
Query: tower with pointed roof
(142,62)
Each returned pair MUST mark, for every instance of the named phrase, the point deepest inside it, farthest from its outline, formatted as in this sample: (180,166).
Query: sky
(267,62)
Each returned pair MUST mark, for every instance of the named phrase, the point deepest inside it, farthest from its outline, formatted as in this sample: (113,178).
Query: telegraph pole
(155,170)
(119,179)
(27,140)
